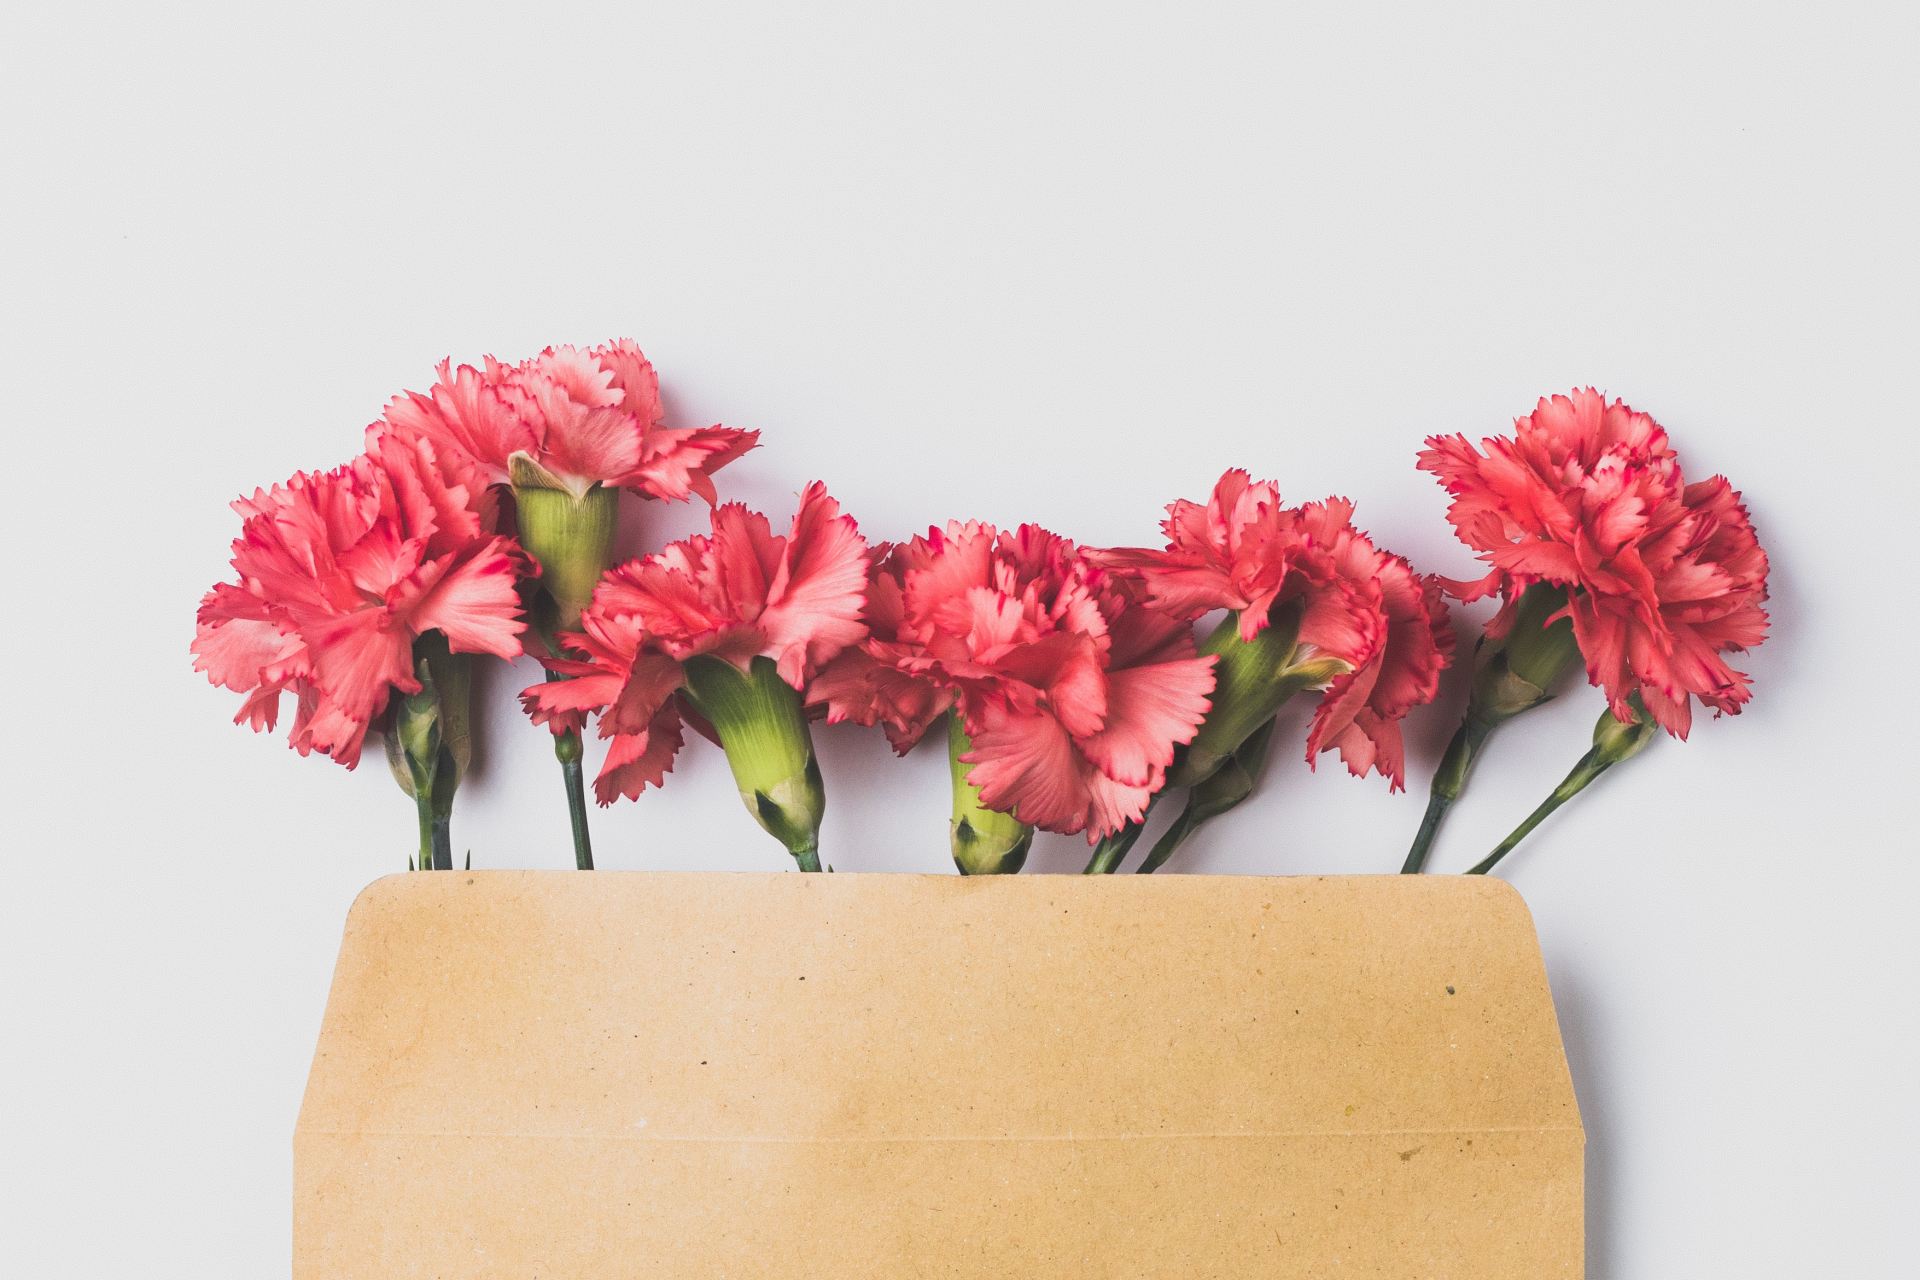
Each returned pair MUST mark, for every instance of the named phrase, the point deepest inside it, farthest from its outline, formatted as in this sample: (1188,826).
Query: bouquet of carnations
(1074,686)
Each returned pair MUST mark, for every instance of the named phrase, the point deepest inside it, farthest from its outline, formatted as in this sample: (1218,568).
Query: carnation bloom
(1661,577)
(727,627)
(566,431)
(356,590)
(1070,695)
(338,573)
(1599,549)
(580,417)
(1314,604)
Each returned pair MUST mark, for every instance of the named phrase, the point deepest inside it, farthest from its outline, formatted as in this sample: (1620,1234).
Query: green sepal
(1252,680)
(984,841)
(569,529)
(1518,673)
(762,726)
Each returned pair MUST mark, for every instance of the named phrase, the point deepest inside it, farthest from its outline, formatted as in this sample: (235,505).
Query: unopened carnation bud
(438,717)
(429,743)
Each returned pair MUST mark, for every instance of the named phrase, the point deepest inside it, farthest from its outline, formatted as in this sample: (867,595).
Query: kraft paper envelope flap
(629,1074)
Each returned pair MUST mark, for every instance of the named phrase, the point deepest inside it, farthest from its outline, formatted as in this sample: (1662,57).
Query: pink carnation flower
(1383,625)
(583,417)
(1662,577)
(337,573)
(741,593)
(1073,693)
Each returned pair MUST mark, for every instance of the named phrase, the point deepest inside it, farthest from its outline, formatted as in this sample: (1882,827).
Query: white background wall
(1004,261)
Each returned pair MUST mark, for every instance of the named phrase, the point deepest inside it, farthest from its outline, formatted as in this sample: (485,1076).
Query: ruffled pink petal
(1345,699)
(650,684)
(466,414)
(261,710)
(677,462)
(818,592)
(736,567)
(236,638)
(475,602)
(1025,764)
(589,446)
(1179,582)
(359,658)
(429,495)
(1112,804)
(1372,742)
(579,375)
(1151,709)
(1066,671)
(586,692)
(939,573)
(1343,619)
(323,727)
(631,374)
(857,686)
(636,761)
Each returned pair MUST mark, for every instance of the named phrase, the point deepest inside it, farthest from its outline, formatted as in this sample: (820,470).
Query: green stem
(1591,766)
(426,742)
(1170,841)
(1516,675)
(1227,787)
(807,859)
(1113,850)
(423,806)
(1614,740)
(1448,782)
(566,747)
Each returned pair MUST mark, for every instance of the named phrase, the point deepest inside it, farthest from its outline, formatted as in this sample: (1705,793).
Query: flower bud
(762,727)
(428,742)
(984,841)
(439,717)
(1615,740)
(568,530)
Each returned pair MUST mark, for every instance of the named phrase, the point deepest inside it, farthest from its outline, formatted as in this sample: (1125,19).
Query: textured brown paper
(559,1075)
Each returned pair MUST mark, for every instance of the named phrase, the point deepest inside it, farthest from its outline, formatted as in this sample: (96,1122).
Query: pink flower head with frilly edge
(337,573)
(1073,692)
(742,592)
(583,417)
(1367,608)
(1662,576)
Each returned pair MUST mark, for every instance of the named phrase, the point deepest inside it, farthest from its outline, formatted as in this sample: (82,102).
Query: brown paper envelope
(559,1075)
